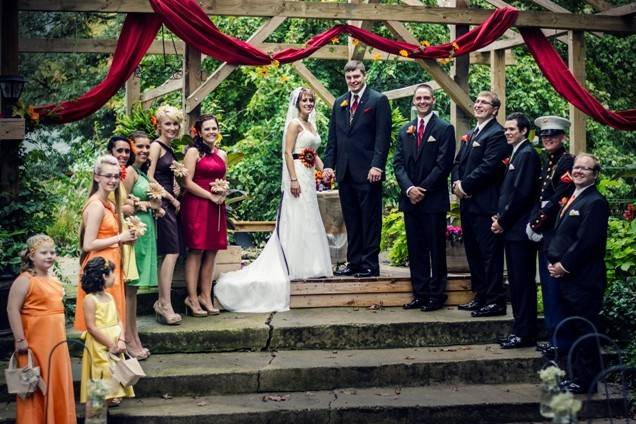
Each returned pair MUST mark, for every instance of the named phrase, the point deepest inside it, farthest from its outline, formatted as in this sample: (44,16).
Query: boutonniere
(566,178)
(344,103)
(506,161)
(410,130)
(465,138)
(574,212)
(369,109)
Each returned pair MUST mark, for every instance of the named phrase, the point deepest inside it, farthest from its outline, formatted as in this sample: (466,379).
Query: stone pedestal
(331,213)
(456,257)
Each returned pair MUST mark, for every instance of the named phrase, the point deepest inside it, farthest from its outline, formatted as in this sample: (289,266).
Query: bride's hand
(295,188)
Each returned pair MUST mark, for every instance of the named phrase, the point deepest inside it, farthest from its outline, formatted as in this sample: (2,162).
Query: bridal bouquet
(135,225)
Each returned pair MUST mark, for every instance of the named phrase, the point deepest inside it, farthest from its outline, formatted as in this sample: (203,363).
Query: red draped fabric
(189,21)
(137,34)
(557,72)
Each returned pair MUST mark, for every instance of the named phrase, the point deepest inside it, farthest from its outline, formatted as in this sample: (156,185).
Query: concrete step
(448,404)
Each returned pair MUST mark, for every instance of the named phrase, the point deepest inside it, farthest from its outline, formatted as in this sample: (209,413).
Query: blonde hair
(168,112)
(33,244)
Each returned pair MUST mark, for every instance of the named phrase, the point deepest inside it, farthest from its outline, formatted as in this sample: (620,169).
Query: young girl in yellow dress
(105,332)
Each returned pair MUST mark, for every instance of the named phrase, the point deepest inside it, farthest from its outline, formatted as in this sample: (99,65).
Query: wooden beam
(8,38)
(11,129)
(599,5)
(456,93)
(154,93)
(89,45)
(576,63)
(408,91)
(191,81)
(345,11)
(315,84)
(498,80)
(225,69)
(133,92)
(627,9)
(460,118)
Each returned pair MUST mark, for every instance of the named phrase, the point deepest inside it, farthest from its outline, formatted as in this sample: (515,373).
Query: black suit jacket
(355,147)
(519,192)
(429,168)
(480,168)
(579,240)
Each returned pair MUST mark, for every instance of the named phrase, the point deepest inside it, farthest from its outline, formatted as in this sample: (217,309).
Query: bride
(298,246)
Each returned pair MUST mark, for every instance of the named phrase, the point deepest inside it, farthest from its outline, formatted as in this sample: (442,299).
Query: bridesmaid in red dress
(203,214)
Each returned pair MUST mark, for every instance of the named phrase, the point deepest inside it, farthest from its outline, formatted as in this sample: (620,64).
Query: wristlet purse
(23,381)
(125,369)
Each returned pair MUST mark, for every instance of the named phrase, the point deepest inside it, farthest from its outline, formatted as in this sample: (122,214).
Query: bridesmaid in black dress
(169,238)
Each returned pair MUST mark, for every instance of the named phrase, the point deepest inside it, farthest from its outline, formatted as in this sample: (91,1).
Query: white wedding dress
(297,249)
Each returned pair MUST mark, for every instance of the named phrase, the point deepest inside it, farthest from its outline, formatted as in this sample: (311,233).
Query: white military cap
(552,125)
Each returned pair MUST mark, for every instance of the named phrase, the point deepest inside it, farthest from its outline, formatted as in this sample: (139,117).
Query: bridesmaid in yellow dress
(121,148)
(105,332)
(101,234)
(36,316)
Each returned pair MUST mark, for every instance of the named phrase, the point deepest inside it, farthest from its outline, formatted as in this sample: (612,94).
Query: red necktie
(567,205)
(420,133)
(354,107)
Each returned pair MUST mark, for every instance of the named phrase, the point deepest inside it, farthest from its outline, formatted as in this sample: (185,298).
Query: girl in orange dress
(101,234)
(36,316)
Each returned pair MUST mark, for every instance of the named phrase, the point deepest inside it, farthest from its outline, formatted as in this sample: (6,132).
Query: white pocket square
(431,139)
(574,212)
(511,167)
(476,144)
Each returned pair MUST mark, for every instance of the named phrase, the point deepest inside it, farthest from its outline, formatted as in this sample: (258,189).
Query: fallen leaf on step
(202,403)
(398,390)
(377,306)
(409,358)
(166,396)
(275,398)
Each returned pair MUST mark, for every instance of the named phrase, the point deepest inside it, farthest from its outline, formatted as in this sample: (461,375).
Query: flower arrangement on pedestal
(454,234)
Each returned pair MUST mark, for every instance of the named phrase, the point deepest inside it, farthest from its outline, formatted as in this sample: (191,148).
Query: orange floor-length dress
(109,227)
(42,316)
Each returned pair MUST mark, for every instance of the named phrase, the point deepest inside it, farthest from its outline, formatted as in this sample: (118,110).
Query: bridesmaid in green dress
(137,184)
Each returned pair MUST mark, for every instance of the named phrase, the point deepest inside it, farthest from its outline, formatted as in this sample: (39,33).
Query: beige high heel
(211,310)
(165,317)
(198,313)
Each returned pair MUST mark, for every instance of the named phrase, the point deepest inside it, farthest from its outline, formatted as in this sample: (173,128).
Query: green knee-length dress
(146,245)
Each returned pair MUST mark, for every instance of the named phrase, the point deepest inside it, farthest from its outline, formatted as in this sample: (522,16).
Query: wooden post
(576,62)
(9,149)
(191,81)
(459,72)
(133,92)
(498,80)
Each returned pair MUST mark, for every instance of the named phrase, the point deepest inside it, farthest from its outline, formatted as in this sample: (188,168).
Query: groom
(358,145)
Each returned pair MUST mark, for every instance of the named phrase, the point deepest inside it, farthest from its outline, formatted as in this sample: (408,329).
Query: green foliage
(620,257)
(619,310)
(394,238)
(140,119)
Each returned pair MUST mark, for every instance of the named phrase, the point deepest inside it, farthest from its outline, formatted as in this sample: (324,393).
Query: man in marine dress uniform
(555,184)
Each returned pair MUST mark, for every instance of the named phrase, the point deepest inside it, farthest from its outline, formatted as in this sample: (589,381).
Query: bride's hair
(199,144)
(304,91)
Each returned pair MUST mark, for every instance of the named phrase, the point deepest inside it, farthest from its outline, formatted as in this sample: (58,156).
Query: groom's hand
(374,175)
(416,194)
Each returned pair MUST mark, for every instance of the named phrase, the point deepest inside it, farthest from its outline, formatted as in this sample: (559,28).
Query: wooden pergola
(555,21)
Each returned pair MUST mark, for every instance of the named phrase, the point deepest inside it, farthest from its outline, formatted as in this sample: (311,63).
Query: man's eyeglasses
(109,176)
(483,102)
(122,150)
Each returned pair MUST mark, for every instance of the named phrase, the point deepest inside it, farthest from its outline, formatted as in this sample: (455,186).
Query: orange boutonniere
(410,130)
(344,103)
(465,138)
(153,121)
(566,178)
(506,161)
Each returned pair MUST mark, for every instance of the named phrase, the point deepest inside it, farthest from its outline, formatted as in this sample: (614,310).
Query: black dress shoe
(577,388)
(433,305)
(366,273)
(473,305)
(501,340)
(414,304)
(345,270)
(491,310)
(543,346)
(515,342)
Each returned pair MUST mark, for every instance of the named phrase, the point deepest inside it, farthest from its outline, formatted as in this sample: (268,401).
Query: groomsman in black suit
(555,185)
(576,254)
(357,147)
(519,192)
(422,162)
(477,174)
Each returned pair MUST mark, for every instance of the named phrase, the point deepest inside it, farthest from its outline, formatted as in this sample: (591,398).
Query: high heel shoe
(211,310)
(198,313)
(165,317)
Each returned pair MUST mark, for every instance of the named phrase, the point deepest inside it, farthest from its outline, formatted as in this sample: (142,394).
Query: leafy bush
(394,238)
(620,257)
(619,310)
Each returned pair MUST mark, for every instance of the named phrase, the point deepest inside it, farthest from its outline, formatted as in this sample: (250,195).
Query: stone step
(448,404)
(321,328)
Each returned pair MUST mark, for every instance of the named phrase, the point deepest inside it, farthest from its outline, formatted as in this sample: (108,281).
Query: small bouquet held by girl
(105,333)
